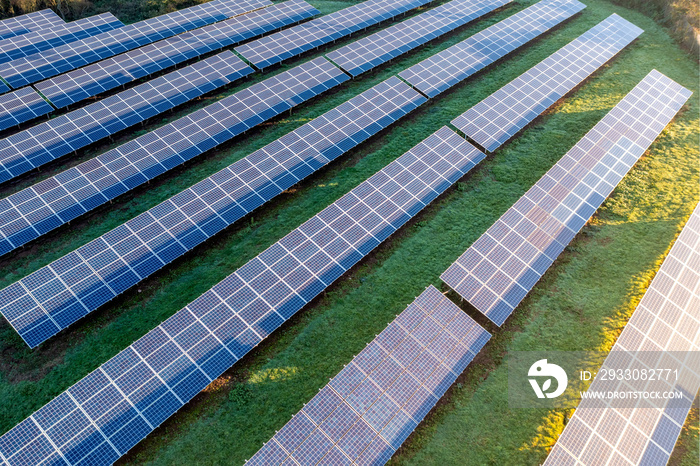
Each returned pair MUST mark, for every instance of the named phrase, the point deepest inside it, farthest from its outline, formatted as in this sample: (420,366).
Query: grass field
(582,303)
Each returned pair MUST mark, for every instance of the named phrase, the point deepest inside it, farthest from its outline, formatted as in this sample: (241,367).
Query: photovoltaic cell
(445,69)
(43,65)
(293,41)
(23,24)
(67,133)
(667,318)
(113,72)
(44,39)
(61,198)
(155,238)
(503,265)
(105,414)
(501,115)
(382,46)
(22,105)
(368,410)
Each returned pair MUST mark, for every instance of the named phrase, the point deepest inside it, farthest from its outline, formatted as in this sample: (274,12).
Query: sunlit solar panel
(24,24)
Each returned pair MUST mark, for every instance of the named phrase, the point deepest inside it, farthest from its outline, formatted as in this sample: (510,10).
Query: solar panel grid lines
(21,106)
(369,409)
(44,39)
(89,81)
(503,265)
(23,24)
(60,136)
(454,64)
(135,391)
(48,63)
(496,119)
(667,318)
(277,47)
(125,256)
(384,45)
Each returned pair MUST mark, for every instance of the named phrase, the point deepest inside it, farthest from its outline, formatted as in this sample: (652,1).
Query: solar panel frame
(43,65)
(277,47)
(443,70)
(34,21)
(505,263)
(77,190)
(382,46)
(94,79)
(44,39)
(500,116)
(21,106)
(371,406)
(127,397)
(75,130)
(155,238)
(667,318)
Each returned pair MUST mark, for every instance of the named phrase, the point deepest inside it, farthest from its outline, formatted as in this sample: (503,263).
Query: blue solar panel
(108,74)
(501,115)
(70,56)
(667,318)
(369,409)
(117,405)
(23,24)
(37,41)
(22,105)
(503,265)
(293,41)
(79,128)
(96,181)
(382,46)
(445,69)
(155,238)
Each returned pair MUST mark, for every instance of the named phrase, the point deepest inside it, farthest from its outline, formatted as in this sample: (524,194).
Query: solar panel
(667,318)
(21,105)
(44,39)
(382,46)
(73,192)
(114,407)
(23,24)
(108,74)
(370,408)
(67,133)
(155,238)
(445,69)
(501,115)
(503,265)
(43,65)
(294,41)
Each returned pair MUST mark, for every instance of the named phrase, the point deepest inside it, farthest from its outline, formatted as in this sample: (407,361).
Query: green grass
(582,302)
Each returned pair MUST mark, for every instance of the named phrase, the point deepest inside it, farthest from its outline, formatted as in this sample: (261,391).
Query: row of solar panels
(39,209)
(108,411)
(25,24)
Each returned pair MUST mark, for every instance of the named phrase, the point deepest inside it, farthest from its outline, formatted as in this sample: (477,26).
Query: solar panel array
(503,265)
(102,269)
(40,144)
(501,115)
(382,46)
(293,41)
(368,410)
(48,63)
(109,411)
(22,105)
(108,74)
(445,69)
(44,39)
(667,318)
(23,24)
(63,197)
